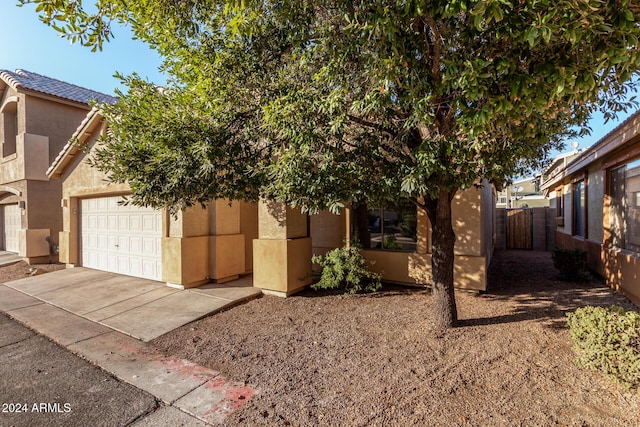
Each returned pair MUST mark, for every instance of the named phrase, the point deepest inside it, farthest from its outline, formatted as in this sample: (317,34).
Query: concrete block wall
(539,229)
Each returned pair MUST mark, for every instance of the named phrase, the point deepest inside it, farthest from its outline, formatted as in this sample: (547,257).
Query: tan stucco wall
(328,231)
(57,121)
(226,257)
(282,253)
(467,222)
(184,261)
(278,221)
(473,222)
(282,266)
(249,229)
(622,272)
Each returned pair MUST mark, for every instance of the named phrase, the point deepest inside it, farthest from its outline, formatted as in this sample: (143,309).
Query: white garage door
(121,239)
(11,228)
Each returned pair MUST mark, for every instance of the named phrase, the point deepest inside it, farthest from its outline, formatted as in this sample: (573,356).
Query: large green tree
(327,103)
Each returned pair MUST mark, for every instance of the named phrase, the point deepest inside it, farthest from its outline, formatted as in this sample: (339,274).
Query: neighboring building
(38,115)
(527,192)
(523,193)
(597,199)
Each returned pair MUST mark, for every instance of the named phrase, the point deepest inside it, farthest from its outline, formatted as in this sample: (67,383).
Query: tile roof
(39,83)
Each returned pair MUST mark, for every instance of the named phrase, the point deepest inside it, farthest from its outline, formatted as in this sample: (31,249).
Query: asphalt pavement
(44,384)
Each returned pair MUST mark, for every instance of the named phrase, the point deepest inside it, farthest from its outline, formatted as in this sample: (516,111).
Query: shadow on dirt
(528,279)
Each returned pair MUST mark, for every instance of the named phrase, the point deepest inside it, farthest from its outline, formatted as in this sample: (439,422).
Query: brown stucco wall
(57,121)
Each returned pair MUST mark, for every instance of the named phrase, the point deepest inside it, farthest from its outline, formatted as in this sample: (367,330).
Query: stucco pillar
(226,242)
(282,252)
(203,245)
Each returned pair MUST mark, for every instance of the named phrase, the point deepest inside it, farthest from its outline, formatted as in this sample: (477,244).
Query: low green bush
(572,264)
(608,339)
(346,268)
(391,243)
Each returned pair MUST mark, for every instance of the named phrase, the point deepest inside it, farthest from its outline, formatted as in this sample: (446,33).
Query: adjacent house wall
(618,266)
(45,124)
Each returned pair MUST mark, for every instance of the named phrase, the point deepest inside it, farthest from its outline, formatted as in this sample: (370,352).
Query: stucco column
(226,242)
(203,245)
(282,252)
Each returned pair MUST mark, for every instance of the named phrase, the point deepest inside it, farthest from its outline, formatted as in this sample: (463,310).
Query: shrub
(391,243)
(608,339)
(572,264)
(346,268)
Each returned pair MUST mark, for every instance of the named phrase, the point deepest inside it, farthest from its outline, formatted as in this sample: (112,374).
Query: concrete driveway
(141,308)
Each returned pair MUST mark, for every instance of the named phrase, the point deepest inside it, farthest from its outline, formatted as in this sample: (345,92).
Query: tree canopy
(327,103)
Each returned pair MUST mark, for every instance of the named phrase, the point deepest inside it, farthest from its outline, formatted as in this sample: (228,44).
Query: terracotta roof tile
(39,83)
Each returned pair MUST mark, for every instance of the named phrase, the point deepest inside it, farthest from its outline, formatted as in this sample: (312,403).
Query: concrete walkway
(142,308)
(104,316)
(9,258)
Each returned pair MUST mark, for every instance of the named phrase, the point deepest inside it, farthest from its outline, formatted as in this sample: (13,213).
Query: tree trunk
(445,313)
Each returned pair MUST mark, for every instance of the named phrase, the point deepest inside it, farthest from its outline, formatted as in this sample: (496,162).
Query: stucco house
(225,240)
(597,200)
(99,231)
(38,115)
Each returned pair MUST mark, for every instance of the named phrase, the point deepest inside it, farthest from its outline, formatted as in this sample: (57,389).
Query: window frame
(621,203)
(579,210)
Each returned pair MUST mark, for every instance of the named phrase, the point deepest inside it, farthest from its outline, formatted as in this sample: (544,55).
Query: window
(392,227)
(624,213)
(579,209)
(502,200)
(10,128)
(559,203)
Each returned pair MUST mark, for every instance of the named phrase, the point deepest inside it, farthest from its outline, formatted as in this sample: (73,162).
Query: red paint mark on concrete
(236,395)
(187,369)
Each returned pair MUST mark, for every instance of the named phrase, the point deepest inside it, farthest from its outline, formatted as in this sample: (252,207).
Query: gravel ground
(20,270)
(376,360)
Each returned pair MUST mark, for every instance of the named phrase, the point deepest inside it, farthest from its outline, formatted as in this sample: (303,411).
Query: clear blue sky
(28,44)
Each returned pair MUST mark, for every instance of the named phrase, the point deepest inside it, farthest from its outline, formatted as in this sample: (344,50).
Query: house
(523,193)
(527,192)
(38,115)
(397,239)
(597,200)
(192,247)
(224,240)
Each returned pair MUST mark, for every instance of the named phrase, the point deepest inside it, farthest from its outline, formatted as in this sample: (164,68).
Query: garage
(11,225)
(120,239)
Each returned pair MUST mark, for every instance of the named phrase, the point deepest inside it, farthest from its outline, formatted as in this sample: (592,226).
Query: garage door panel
(11,227)
(123,241)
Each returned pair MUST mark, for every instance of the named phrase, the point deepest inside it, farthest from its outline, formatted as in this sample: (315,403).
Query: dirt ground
(375,360)
(20,270)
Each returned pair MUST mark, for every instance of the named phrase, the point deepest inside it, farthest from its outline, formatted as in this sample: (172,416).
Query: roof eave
(87,128)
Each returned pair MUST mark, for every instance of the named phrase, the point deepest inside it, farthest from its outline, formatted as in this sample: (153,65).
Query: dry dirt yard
(20,270)
(375,360)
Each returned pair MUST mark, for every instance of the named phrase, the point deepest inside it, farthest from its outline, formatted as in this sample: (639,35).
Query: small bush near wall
(608,339)
(572,264)
(346,268)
